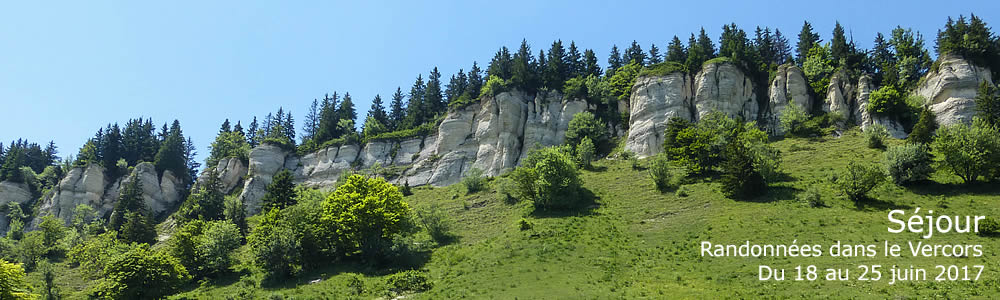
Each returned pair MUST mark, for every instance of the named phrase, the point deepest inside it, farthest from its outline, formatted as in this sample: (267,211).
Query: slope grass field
(636,242)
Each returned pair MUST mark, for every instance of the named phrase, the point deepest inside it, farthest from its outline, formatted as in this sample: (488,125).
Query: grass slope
(638,243)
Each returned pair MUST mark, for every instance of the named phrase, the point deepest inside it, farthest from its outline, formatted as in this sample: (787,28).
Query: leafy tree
(12,284)
(228,144)
(557,184)
(346,109)
(280,193)
(437,224)
(274,247)
(397,112)
(859,179)
(586,125)
(969,151)
(740,179)
(676,51)
(793,120)
(659,171)
(908,163)
(365,213)
(50,291)
(372,128)
(129,275)
(807,40)
(216,245)
(818,66)
(622,81)
(30,249)
(83,215)
(53,230)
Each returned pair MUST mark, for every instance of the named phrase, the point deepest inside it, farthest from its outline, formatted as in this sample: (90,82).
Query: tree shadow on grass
(871,204)
(773,194)
(586,205)
(933,188)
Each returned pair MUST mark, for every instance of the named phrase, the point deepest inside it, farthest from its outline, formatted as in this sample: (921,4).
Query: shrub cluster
(549,178)
(908,163)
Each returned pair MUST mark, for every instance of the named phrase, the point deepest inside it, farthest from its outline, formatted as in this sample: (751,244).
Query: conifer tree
(252,138)
(415,113)
(311,123)
(590,64)
(806,40)
(676,51)
(281,191)
(501,65)
(555,70)
(706,45)
(574,61)
(377,110)
(523,73)
(654,54)
(614,61)
(475,81)
(397,113)
(433,98)
(838,44)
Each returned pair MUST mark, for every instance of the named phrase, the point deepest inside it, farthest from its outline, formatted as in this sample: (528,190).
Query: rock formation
(723,87)
(789,86)
(11,192)
(951,89)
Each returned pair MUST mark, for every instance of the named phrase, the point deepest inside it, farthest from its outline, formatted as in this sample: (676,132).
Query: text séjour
(942,224)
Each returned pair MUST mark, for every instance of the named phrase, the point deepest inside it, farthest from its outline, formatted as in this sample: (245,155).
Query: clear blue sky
(69,68)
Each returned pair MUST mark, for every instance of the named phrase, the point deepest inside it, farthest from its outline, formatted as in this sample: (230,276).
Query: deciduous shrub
(408,281)
(740,179)
(558,184)
(585,124)
(365,213)
(793,120)
(474,181)
(875,136)
(141,273)
(659,171)
(969,151)
(274,247)
(908,163)
(859,179)
(585,152)
(437,224)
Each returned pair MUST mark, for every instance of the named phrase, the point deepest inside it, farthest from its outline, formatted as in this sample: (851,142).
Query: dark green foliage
(989,227)
(911,59)
(555,184)
(676,52)
(171,156)
(740,180)
(141,273)
(433,98)
(20,154)
(661,69)
(585,152)
(30,249)
(138,228)
(52,230)
(474,181)
(674,126)
(329,119)
(859,179)
(396,113)
(923,131)
(590,64)
(49,288)
(838,44)
(129,200)
(228,144)
(807,38)
(908,163)
(972,40)
(523,74)
(988,103)
(614,61)
(699,148)
(207,202)
(235,212)
(654,55)
(274,248)
(501,65)
(585,124)
(280,192)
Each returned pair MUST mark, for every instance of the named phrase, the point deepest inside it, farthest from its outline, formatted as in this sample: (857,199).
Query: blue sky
(68,68)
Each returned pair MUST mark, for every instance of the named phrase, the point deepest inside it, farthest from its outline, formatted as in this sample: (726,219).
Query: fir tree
(523,73)
(676,51)
(280,193)
(654,54)
(377,111)
(415,113)
(555,67)
(706,45)
(253,139)
(574,61)
(614,61)
(590,64)
(397,112)
(838,44)
(635,53)
(806,40)
(475,81)
(311,123)
(501,65)
(433,98)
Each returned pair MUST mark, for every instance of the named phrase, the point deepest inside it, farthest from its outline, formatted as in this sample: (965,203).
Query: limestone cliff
(789,86)
(11,192)
(951,89)
(492,135)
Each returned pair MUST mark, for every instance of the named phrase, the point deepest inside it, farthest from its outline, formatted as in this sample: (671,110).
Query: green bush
(812,197)
(859,179)
(585,152)
(740,178)
(989,227)
(886,101)
(699,147)
(793,121)
(216,245)
(585,124)
(969,151)
(408,281)
(558,184)
(662,69)
(575,88)
(682,191)
(659,171)
(474,181)
(908,163)
(274,247)
(875,136)
(494,86)
(141,273)
(366,213)
(30,249)
(923,131)
(12,283)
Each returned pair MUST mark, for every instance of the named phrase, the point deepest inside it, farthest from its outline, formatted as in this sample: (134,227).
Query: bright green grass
(639,243)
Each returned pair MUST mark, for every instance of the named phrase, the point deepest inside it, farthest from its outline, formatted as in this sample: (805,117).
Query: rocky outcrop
(788,87)
(265,161)
(654,101)
(840,95)
(864,119)
(723,87)
(951,89)
(12,192)
(230,172)
(90,185)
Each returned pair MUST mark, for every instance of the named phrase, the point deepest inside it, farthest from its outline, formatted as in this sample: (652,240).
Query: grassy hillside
(638,243)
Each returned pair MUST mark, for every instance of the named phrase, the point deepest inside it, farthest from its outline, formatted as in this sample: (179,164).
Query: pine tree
(377,110)
(923,131)
(171,155)
(346,110)
(501,65)
(988,103)
(590,64)
(654,54)
(574,61)
(706,45)
(288,127)
(238,129)
(556,70)
(129,200)
(112,149)
(328,119)
(695,55)
(782,50)
(397,113)
(676,51)
(614,61)
(433,98)
(635,53)
(523,73)
(838,44)
(311,123)
(190,152)
(253,139)
(455,87)
(280,193)
(415,114)
(475,81)
(225,127)
(806,40)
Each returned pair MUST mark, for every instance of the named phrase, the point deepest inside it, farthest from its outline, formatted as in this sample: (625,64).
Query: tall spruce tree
(706,45)
(415,114)
(614,61)
(311,122)
(590,64)
(377,110)
(838,45)
(328,119)
(475,81)
(807,37)
(574,61)
(523,73)
(676,51)
(433,97)
(397,113)
(501,65)
(556,68)
(654,54)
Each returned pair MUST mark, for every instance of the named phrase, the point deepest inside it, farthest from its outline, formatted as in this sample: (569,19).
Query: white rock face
(79,186)
(839,95)
(723,87)
(789,86)
(865,119)
(159,194)
(265,161)
(11,192)
(951,90)
(547,120)
(230,171)
(654,101)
